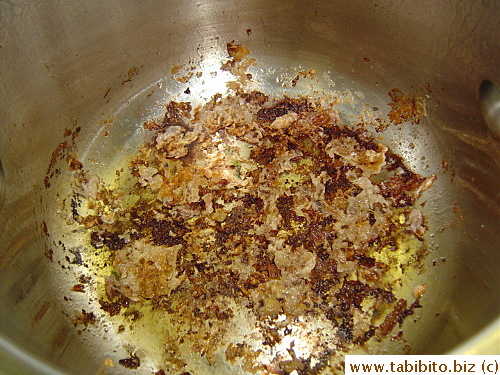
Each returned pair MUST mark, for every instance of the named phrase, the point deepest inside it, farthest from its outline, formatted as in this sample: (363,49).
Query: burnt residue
(45,229)
(177,114)
(57,155)
(405,107)
(132,362)
(76,257)
(112,240)
(282,108)
(230,249)
(114,307)
(62,152)
(133,314)
(397,315)
(263,156)
(133,71)
(254,97)
(75,205)
(85,318)
(400,187)
(49,254)
(74,164)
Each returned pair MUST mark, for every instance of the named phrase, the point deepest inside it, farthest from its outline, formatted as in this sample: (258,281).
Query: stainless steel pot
(67,64)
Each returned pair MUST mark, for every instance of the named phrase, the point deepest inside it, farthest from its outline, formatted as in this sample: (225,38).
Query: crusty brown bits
(132,362)
(161,232)
(365,337)
(237,51)
(250,200)
(177,114)
(112,240)
(283,107)
(400,189)
(263,155)
(324,275)
(392,319)
(85,318)
(285,204)
(152,126)
(114,308)
(254,97)
(229,285)
(58,154)
(352,293)
(262,216)
(339,183)
(303,74)
(133,314)
(74,164)
(405,107)
(266,266)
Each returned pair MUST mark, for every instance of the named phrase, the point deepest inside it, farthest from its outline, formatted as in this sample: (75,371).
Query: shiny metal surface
(490,103)
(66,64)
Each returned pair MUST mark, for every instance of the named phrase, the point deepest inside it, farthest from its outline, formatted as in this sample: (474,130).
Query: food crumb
(109,362)
(419,290)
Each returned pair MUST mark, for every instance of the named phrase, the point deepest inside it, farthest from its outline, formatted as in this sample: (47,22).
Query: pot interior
(105,69)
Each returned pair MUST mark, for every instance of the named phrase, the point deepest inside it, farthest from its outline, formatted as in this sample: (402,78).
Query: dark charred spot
(265,265)
(132,362)
(366,336)
(335,184)
(165,232)
(366,261)
(75,205)
(86,318)
(285,204)
(324,274)
(263,156)
(345,332)
(177,114)
(112,240)
(74,164)
(133,314)
(200,205)
(254,97)
(397,315)
(371,218)
(114,308)
(251,200)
